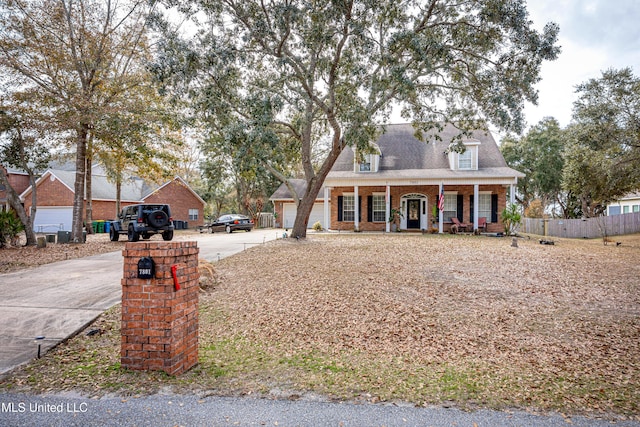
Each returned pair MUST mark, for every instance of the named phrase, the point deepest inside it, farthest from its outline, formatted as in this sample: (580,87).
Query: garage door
(317,215)
(52,219)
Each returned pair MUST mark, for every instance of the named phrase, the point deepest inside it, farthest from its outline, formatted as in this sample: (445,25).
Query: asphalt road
(174,410)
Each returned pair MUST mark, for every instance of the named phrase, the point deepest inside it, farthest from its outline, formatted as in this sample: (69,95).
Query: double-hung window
(348,207)
(484,206)
(379,208)
(464,159)
(450,206)
(193,214)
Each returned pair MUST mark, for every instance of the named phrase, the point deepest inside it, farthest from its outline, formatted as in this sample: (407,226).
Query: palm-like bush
(10,228)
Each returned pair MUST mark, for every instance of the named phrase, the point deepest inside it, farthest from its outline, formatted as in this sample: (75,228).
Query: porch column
(441,216)
(387,209)
(327,211)
(512,194)
(476,204)
(356,208)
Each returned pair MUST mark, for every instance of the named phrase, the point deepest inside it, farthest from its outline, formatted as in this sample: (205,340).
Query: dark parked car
(232,222)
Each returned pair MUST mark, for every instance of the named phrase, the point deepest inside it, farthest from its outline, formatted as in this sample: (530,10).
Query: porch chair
(457,225)
(482,224)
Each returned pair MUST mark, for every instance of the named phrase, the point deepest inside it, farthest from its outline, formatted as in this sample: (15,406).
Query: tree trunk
(78,196)
(14,201)
(315,181)
(89,197)
(305,205)
(118,194)
(28,225)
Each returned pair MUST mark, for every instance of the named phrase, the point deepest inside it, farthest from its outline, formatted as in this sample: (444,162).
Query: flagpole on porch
(441,207)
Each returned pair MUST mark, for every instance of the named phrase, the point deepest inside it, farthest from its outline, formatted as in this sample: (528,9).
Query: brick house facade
(55,199)
(18,180)
(407,175)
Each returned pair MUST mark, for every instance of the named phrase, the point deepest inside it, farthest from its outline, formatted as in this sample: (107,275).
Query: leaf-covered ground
(13,258)
(462,320)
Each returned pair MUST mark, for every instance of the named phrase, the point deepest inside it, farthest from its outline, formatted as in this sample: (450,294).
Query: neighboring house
(18,179)
(627,204)
(286,209)
(56,191)
(408,175)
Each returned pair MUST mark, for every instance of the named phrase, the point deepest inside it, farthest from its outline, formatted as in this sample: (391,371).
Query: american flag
(441,201)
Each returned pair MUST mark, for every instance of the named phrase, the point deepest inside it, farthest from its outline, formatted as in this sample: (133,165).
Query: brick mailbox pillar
(160,314)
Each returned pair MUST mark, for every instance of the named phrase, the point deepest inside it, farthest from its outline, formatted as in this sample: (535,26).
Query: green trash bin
(100,227)
(95,226)
(63,236)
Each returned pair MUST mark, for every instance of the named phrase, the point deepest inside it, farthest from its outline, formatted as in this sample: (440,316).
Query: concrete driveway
(59,299)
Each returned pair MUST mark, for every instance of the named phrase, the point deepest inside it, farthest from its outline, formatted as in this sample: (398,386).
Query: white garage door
(317,214)
(51,219)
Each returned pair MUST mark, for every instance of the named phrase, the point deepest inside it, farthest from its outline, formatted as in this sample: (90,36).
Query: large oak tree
(81,58)
(327,73)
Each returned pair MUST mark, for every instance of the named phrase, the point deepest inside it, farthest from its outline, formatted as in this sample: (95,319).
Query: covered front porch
(411,207)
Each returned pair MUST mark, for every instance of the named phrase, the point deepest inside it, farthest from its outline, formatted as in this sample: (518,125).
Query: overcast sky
(595,35)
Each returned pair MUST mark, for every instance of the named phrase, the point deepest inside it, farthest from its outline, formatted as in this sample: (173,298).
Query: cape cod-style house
(407,176)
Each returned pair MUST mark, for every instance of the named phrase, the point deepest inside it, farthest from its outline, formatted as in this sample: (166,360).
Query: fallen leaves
(563,319)
(450,320)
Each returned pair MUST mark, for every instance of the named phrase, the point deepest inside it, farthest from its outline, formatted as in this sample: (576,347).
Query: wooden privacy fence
(588,228)
(265,220)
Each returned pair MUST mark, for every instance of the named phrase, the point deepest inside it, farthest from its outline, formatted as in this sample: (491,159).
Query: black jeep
(142,221)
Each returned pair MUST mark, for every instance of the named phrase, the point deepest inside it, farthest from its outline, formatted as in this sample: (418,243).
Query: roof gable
(300,185)
(181,182)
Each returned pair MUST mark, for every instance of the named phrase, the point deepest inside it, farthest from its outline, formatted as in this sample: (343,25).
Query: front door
(413,214)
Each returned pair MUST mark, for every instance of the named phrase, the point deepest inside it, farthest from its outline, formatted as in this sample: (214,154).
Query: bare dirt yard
(455,320)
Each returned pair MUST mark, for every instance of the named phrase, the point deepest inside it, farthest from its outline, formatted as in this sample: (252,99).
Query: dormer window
(367,162)
(467,160)
(365,167)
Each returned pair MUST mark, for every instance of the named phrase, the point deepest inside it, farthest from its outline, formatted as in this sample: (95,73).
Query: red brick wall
(396,194)
(279,211)
(181,199)
(106,209)
(51,193)
(159,324)
(19,182)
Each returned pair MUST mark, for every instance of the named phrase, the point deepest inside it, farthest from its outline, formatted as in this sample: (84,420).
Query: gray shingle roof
(133,189)
(402,151)
(405,157)
(300,185)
